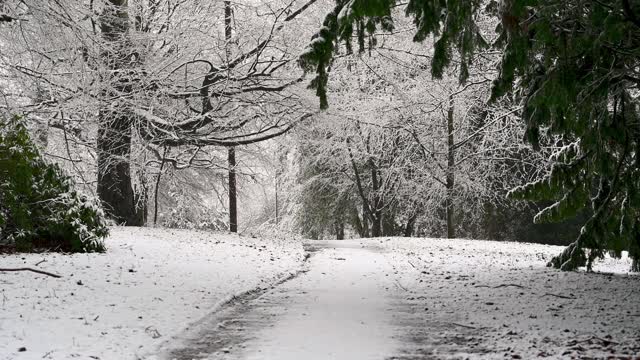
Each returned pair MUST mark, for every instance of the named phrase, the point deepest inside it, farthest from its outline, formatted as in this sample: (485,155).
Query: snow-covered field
(430,298)
(150,285)
(492,299)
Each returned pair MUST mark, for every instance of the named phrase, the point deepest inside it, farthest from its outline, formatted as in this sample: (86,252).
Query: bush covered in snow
(38,206)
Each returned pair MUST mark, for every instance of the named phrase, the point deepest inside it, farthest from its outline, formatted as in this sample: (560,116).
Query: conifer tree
(574,66)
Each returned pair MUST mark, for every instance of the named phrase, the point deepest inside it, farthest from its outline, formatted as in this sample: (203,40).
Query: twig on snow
(559,296)
(606,342)
(502,285)
(400,286)
(40,262)
(463,325)
(30,269)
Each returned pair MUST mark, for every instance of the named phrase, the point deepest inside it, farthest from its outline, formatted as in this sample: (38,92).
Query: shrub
(39,209)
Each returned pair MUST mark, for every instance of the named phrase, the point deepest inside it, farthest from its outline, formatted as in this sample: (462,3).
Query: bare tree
(138,77)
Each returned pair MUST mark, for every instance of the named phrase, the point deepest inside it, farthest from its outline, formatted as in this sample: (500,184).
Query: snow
(151,284)
(494,298)
(339,309)
(396,298)
(405,298)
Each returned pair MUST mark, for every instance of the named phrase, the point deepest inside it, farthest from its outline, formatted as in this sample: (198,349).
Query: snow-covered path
(410,299)
(341,307)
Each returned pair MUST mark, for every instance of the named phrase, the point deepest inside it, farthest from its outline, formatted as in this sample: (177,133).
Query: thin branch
(32,270)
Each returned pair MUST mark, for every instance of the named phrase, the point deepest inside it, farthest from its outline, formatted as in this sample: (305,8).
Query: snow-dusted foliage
(39,207)
(123,81)
(400,153)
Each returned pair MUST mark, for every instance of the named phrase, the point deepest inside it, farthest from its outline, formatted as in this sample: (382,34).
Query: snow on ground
(423,299)
(339,309)
(492,299)
(150,285)
(406,298)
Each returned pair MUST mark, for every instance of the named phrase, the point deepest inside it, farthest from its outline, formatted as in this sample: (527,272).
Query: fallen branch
(464,326)
(559,296)
(40,262)
(400,286)
(33,270)
(606,342)
(502,285)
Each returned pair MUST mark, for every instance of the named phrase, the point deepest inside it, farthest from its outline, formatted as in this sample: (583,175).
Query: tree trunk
(376,226)
(233,198)
(114,172)
(376,211)
(339,229)
(157,187)
(411,223)
(451,163)
(114,134)
(388,224)
(365,223)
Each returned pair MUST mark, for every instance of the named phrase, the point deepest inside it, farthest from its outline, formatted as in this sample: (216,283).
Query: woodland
(511,120)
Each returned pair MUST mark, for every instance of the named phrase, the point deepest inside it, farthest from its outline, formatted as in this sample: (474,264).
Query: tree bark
(114,172)
(376,213)
(339,229)
(408,229)
(114,134)
(233,198)
(157,187)
(365,222)
(450,171)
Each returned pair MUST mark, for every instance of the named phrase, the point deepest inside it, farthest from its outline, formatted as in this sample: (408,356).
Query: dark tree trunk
(157,187)
(233,198)
(359,223)
(451,163)
(376,212)
(376,227)
(388,224)
(365,223)
(339,229)
(411,223)
(114,135)
(114,172)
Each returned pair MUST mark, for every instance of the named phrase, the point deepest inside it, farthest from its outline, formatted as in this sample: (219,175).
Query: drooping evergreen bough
(38,207)
(574,64)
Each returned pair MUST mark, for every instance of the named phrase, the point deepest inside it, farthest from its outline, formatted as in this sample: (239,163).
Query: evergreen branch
(630,15)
